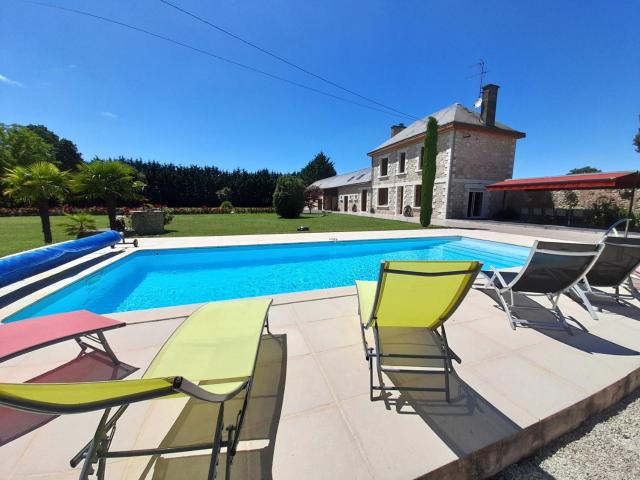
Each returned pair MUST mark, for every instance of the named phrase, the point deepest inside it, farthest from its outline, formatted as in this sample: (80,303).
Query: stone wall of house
(517,200)
(479,158)
(354,192)
(411,176)
(586,198)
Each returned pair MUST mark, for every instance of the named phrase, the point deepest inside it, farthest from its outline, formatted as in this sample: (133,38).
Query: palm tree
(36,184)
(109,181)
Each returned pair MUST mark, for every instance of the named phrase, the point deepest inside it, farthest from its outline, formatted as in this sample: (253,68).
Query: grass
(22,233)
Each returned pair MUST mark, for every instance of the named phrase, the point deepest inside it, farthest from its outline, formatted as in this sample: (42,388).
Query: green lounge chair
(210,357)
(412,295)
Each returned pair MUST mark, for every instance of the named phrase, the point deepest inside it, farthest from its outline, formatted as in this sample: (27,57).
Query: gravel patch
(606,446)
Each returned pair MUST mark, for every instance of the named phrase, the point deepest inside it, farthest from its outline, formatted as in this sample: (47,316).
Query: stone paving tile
(346,371)
(312,311)
(318,445)
(306,387)
(332,333)
(398,446)
(536,390)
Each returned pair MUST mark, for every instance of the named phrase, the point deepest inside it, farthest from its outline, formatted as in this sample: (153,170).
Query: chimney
(489,100)
(396,129)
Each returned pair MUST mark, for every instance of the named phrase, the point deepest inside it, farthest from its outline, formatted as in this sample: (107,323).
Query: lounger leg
(376,335)
(217,443)
(364,342)
(266,324)
(632,288)
(107,348)
(231,436)
(506,308)
(83,454)
(585,301)
(370,358)
(94,445)
(448,365)
(559,314)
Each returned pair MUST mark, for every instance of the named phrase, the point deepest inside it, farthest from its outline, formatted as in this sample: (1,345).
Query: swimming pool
(162,278)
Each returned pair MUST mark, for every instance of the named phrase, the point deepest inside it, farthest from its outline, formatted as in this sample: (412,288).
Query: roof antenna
(481,66)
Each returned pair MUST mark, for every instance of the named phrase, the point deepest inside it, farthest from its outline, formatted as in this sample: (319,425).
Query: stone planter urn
(147,222)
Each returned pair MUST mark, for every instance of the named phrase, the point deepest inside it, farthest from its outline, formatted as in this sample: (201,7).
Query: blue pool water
(162,278)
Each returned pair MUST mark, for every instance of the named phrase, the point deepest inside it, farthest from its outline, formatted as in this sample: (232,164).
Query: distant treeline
(166,183)
(181,186)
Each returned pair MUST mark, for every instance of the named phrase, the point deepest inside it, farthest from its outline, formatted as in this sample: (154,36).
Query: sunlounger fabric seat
(412,295)
(215,347)
(17,338)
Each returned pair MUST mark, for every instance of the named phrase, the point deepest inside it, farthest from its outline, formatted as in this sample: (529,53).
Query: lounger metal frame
(93,340)
(583,289)
(506,288)
(96,451)
(447,355)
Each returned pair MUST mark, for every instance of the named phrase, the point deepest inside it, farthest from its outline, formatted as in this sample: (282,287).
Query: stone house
(349,192)
(473,151)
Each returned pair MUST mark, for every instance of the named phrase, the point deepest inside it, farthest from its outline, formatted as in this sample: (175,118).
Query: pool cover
(23,265)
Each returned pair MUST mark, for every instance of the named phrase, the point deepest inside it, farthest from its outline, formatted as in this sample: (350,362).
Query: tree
(311,196)
(586,169)
(67,155)
(429,171)
(636,141)
(224,194)
(110,181)
(571,199)
(320,167)
(288,197)
(36,184)
(64,151)
(20,147)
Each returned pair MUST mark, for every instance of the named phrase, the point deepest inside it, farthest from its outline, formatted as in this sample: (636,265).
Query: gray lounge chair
(619,258)
(552,269)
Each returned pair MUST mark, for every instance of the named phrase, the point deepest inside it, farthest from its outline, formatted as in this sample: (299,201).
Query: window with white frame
(402,162)
(421,158)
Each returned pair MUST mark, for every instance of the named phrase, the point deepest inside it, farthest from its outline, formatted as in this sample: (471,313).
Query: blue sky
(569,74)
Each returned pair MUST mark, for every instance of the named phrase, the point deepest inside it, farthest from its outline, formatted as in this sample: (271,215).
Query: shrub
(79,223)
(288,198)
(227,205)
(168,215)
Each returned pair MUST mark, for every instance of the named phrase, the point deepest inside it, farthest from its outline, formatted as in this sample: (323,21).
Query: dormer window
(402,162)
(384,167)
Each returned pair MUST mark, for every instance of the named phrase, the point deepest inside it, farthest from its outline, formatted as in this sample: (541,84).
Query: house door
(363,201)
(474,204)
(345,203)
(400,199)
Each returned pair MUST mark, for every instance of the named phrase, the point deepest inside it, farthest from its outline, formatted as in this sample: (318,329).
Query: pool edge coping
(228,241)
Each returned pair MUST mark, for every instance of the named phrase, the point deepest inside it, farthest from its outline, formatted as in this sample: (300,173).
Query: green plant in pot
(80,225)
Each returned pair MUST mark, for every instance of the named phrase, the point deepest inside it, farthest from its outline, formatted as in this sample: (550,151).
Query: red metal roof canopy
(583,181)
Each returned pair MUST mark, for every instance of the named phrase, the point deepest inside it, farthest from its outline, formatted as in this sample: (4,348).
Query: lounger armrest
(491,282)
(191,389)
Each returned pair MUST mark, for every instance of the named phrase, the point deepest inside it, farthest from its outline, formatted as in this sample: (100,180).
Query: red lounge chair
(86,328)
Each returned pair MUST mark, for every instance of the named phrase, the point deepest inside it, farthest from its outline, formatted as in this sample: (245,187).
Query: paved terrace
(310,415)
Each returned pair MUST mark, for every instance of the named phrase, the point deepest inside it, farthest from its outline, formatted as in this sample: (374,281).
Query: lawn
(22,233)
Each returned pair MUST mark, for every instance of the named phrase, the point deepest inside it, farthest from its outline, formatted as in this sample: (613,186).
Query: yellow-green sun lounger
(210,357)
(412,295)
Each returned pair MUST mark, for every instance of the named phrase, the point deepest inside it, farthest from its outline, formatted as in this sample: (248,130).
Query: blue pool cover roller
(23,265)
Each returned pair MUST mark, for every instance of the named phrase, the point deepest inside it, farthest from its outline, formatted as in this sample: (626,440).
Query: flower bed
(30,211)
